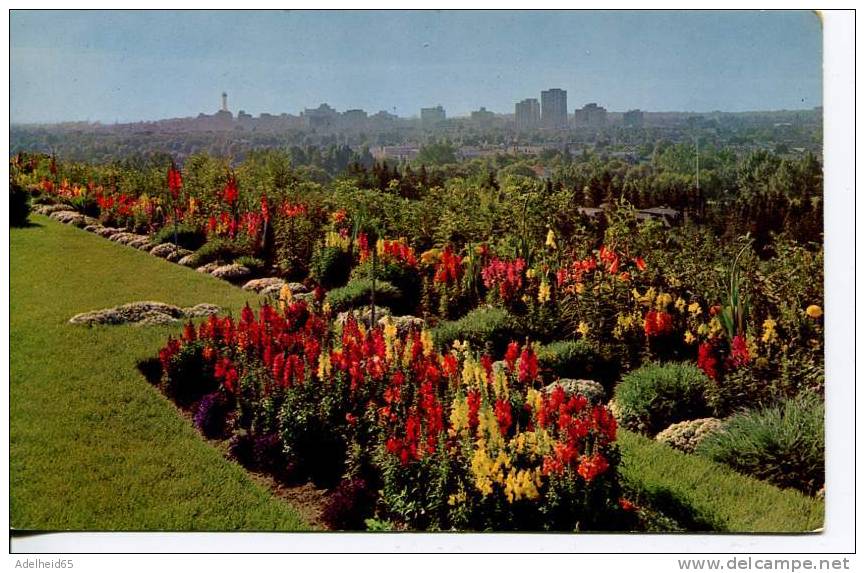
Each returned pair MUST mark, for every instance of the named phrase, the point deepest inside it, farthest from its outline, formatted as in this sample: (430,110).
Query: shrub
(405,278)
(654,396)
(188,236)
(254,264)
(330,267)
(571,359)
(490,326)
(357,293)
(19,205)
(784,444)
(85,204)
(219,250)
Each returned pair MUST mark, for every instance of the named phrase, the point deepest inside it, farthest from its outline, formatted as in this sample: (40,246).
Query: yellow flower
(459,415)
(663,301)
(814,311)
(430,257)
(531,273)
(715,326)
(680,304)
(324,366)
(769,333)
(645,299)
(285,296)
(583,329)
(457,498)
(544,292)
(703,329)
(694,308)
(427,341)
(551,239)
(689,337)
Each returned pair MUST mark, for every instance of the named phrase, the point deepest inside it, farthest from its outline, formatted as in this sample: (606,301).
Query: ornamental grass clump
(657,395)
(783,444)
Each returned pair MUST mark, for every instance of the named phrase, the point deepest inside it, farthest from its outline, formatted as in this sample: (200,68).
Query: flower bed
(415,437)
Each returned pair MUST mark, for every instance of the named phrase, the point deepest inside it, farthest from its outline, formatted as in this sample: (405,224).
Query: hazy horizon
(129,66)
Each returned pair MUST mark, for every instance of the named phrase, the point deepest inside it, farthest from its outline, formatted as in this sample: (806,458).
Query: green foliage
(295,239)
(189,236)
(783,444)
(484,328)
(437,153)
(19,204)
(357,294)
(221,251)
(657,395)
(310,420)
(254,264)
(573,359)
(188,376)
(406,279)
(330,267)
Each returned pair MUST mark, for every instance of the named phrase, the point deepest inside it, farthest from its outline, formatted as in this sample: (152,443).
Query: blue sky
(130,65)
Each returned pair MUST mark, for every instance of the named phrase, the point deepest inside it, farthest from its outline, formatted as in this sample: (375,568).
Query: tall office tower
(554,109)
(224,101)
(527,114)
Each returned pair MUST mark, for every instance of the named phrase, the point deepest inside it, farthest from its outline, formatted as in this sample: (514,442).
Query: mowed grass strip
(92,445)
(705,496)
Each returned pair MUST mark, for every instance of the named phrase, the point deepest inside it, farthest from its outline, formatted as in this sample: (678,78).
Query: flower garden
(469,355)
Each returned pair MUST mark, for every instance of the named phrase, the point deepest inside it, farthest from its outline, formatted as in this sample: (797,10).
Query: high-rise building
(527,114)
(592,115)
(483,118)
(554,109)
(432,116)
(633,118)
(323,116)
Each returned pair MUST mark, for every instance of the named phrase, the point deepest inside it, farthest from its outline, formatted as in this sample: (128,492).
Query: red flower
(229,192)
(739,354)
(503,415)
(175,180)
(626,505)
(592,466)
(641,264)
(265,209)
(658,323)
(706,360)
(528,365)
(511,355)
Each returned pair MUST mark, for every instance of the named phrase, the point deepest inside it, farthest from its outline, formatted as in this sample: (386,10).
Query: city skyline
(112,66)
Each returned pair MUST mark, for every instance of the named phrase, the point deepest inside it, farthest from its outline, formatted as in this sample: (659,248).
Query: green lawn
(92,445)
